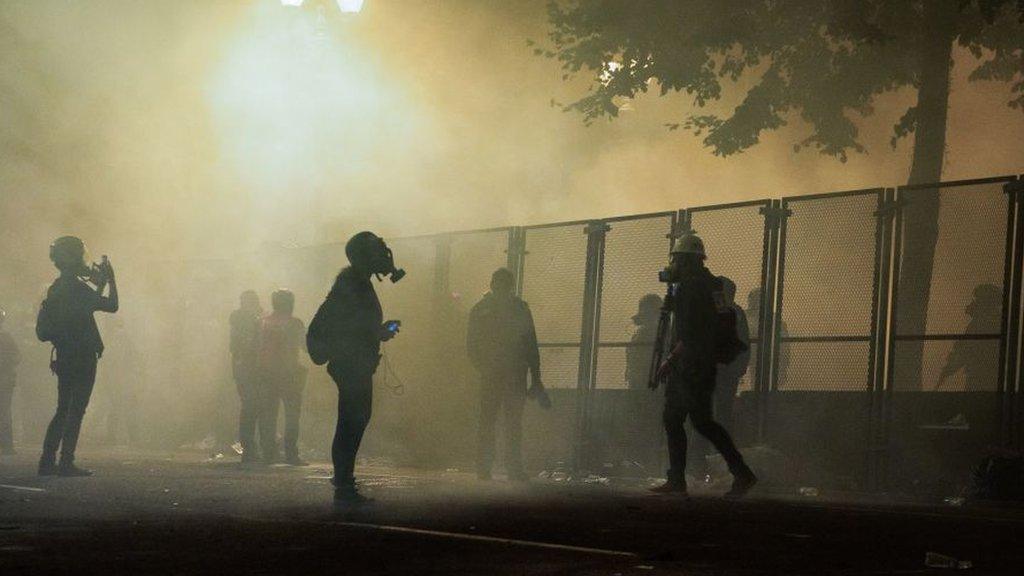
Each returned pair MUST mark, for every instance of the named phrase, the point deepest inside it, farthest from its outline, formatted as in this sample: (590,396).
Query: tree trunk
(921,214)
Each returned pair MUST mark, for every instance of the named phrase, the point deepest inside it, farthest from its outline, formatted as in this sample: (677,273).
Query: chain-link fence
(949,329)
(884,328)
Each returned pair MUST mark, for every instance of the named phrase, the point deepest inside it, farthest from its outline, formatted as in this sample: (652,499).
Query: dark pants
(507,394)
(690,394)
(6,425)
(725,397)
(281,390)
(355,405)
(75,380)
(249,395)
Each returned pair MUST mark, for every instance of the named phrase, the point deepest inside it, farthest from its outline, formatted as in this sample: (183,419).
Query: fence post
(879,356)
(516,255)
(772,213)
(1009,361)
(595,231)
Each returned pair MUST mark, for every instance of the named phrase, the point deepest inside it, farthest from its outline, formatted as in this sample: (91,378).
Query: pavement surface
(180,513)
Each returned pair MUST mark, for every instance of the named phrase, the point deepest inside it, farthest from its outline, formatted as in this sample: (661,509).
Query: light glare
(350,6)
(292,2)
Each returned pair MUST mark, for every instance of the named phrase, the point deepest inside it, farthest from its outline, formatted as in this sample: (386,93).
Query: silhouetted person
(729,375)
(282,336)
(974,357)
(66,319)
(502,345)
(690,369)
(245,333)
(346,333)
(641,345)
(10,356)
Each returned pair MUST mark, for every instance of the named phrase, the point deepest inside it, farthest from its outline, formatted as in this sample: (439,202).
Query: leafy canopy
(825,60)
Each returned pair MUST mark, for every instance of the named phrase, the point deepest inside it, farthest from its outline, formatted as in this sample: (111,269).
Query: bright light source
(292,2)
(350,6)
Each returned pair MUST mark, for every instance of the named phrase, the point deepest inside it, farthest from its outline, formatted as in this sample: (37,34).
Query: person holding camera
(66,320)
(701,340)
(502,345)
(346,334)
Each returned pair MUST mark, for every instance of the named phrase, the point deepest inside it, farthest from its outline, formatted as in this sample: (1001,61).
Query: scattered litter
(936,560)
(452,470)
(595,479)
(808,491)
(644,567)
(237,447)
(167,490)
(954,500)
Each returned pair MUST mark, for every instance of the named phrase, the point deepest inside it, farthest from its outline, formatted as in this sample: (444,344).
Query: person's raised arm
(108,303)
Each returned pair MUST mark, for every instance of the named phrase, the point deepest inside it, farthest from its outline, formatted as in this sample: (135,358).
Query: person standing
(502,345)
(10,357)
(66,320)
(346,334)
(245,331)
(730,373)
(690,369)
(282,336)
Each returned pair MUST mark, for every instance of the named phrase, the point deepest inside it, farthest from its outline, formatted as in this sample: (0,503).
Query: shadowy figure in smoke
(502,345)
(730,373)
(66,320)
(10,356)
(700,343)
(245,333)
(346,334)
(641,345)
(977,358)
(282,336)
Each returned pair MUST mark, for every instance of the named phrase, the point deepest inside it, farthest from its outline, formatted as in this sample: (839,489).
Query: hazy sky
(167,129)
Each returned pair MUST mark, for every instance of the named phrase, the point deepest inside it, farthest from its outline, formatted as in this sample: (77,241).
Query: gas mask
(384,264)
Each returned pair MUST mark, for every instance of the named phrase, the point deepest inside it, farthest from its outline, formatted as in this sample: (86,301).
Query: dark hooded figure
(66,320)
(347,332)
(245,335)
(502,345)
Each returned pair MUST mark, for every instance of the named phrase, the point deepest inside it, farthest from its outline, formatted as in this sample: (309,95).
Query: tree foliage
(823,60)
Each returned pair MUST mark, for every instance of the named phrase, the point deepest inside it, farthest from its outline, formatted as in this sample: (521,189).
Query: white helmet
(689,243)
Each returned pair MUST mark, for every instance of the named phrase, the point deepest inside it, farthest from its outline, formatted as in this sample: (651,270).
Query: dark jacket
(245,337)
(501,337)
(349,322)
(66,317)
(696,315)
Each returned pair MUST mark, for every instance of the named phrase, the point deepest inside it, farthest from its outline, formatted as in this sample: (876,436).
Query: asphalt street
(181,513)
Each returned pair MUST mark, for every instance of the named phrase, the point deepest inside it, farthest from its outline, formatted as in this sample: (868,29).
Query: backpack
(46,322)
(728,345)
(316,344)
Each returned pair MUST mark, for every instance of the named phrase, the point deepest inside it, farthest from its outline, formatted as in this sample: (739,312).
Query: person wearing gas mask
(282,336)
(66,320)
(502,345)
(346,334)
(689,371)
(10,356)
(244,345)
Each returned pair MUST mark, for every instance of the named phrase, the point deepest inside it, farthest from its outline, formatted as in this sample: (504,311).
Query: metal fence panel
(943,397)
(736,243)
(819,411)
(635,250)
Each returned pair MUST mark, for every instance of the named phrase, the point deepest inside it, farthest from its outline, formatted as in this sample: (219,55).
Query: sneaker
(72,471)
(47,468)
(295,461)
(349,497)
(741,484)
(670,487)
